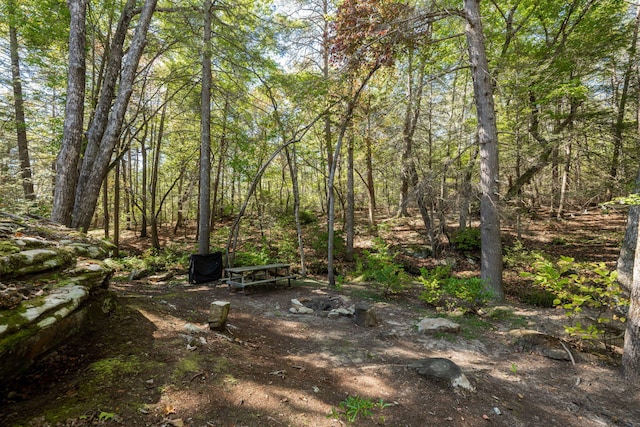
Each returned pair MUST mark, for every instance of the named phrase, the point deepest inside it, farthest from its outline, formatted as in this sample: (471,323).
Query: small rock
(190,327)
(441,369)
(430,325)
(305,310)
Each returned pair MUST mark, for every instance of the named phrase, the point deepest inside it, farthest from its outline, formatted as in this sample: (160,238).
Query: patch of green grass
(354,407)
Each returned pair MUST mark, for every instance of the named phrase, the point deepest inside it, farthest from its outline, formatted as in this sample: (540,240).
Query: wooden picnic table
(241,277)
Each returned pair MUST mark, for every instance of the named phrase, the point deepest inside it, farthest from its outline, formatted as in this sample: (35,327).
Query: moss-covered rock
(52,284)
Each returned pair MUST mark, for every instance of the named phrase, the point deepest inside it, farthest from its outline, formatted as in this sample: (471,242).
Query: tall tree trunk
(107,92)
(466,190)
(69,156)
(116,211)
(205,138)
(144,211)
(326,65)
(625,265)
(105,206)
(369,161)
(331,203)
(87,191)
(412,113)
(491,246)
(153,189)
(564,181)
(18,102)
(618,127)
(350,214)
(293,170)
(128,209)
(631,353)
(217,201)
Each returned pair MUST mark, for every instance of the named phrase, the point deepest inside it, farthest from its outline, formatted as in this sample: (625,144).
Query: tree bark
(631,353)
(625,266)
(293,170)
(331,218)
(105,206)
(87,192)
(204,219)
(68,158)
(412,113)
(99,121)
(618,127)
(116,211)
(491,247)
(18,102)
(153,189)
(350,212)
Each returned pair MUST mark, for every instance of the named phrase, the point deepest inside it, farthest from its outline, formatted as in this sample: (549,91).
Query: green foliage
(439,285)
(379,267)
(356,406)
(466,240)
(576,286)
(173,257)
(106,416)
(307,217)
(252,255)
(519,256)
(319,242)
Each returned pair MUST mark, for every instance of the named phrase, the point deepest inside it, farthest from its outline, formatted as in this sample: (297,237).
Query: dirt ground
(156,363)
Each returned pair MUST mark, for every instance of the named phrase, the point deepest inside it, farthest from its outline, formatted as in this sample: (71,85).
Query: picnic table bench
(241,277)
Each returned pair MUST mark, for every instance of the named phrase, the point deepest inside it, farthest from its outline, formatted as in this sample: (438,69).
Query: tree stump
(218,314)
(365,316)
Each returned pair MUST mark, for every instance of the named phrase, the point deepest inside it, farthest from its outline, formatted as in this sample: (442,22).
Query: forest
(302,131)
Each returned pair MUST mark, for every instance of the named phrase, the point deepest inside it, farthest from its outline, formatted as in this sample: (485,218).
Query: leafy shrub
(307,217)
(466,240)
(252,255)
(442,288)
(319,242)
(519,256)
(576,286)
(378,266)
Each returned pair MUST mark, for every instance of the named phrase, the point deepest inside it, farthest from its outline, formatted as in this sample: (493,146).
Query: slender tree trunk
(618,127)
(564,182)
(126,171)
(155,167)
(69,156)
(331,218)
(217,201)
(116,211)
(370,184)
(105,206)
(491,247)
(18,102)
(293,170)
(144,211)
(350,214)
(467,190)
(205,138)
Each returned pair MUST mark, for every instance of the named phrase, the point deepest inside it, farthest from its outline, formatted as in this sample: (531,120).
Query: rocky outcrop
(52,286)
